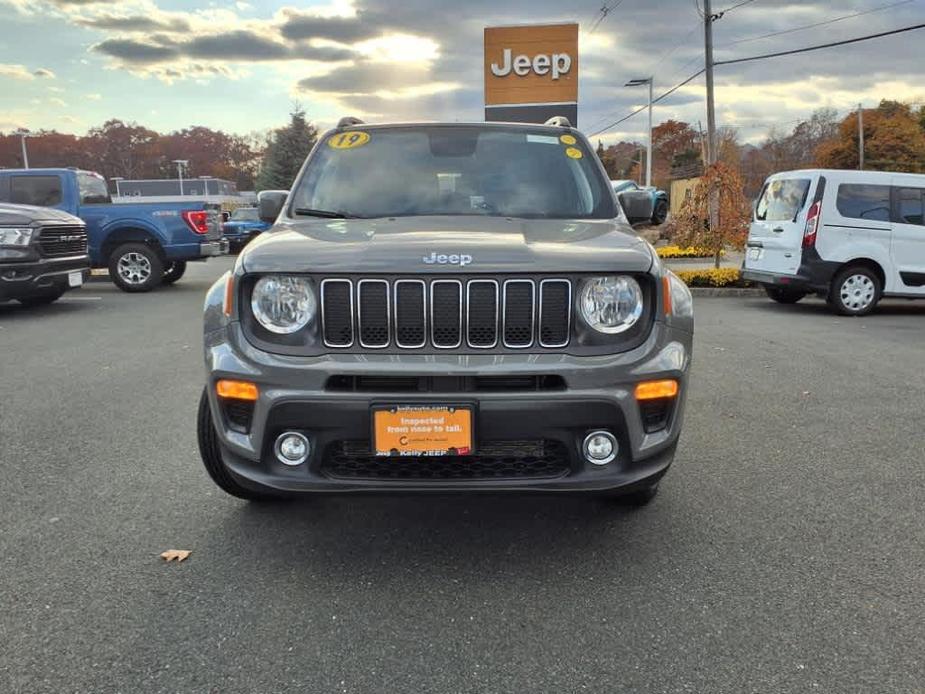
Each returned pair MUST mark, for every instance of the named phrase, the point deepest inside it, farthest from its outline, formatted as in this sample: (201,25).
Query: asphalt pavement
(785,552)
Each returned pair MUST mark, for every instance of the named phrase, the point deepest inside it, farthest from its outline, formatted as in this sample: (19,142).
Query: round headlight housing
(283,304)
(611,304)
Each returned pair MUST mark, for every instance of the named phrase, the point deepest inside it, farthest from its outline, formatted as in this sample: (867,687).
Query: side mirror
(637,205)
(271,204)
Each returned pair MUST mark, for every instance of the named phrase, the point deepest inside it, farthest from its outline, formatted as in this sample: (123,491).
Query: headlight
(611,304)
(283,304)
(15,236)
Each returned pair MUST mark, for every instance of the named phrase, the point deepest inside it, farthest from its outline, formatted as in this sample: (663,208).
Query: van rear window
(782,199)
(859,201)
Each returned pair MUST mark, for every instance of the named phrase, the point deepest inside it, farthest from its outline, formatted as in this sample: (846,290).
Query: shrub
(713,277)
(683,252)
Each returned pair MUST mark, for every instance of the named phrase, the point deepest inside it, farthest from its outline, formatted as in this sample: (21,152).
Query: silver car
(445,307)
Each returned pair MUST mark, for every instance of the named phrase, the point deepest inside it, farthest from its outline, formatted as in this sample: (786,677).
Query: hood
(27,214)
(447,245)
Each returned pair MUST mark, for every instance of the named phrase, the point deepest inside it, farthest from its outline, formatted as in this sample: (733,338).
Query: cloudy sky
(239,66)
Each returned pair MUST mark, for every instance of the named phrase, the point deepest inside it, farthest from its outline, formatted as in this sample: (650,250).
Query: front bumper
(22,280)
(295,394)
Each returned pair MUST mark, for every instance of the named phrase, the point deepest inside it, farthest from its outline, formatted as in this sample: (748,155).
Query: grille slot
(443,384)
(446,313)
(58,241)
(518,313)
(373,313)
(482,304)
(410,318)
(493,460)
(337,312)
(555,316)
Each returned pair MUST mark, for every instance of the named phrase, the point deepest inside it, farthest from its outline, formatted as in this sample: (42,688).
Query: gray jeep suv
(443,307)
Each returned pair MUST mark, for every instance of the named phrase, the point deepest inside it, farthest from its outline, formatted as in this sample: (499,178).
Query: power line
(734,7)
(654,101)
(818,24)
(821,46)
(603,12)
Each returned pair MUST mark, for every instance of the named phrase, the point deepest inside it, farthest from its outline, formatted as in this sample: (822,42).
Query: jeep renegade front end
(441,308)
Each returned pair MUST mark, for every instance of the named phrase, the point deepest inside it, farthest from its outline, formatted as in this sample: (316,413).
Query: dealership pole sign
(531,73)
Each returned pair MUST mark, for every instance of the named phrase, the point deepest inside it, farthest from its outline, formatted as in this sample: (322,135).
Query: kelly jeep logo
(461,259)
(542,64)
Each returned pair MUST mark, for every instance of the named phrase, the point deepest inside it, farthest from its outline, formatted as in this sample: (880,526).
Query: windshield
(782,200)
(245,214)
(454,170)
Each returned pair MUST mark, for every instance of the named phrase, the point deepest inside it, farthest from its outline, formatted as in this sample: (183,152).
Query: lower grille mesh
(493,460)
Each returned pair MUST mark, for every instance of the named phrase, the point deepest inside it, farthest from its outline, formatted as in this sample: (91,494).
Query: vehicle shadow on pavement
(16,311)
(472,537)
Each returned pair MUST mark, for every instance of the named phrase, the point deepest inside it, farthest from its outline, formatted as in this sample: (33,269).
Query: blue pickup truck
(142,244)
(243,226)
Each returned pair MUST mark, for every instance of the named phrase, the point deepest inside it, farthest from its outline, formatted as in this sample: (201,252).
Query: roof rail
(347,121)
(559,122)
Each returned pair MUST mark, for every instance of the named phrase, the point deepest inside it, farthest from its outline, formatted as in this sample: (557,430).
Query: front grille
(446,313)
(492,460)
(58,241)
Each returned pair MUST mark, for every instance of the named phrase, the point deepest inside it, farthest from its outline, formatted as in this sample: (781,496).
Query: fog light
(292,448)
(600,447)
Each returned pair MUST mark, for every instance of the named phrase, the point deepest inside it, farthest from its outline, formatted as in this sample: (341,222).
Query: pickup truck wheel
(784,296)
(136,267)
(660,213)
(212,458)
(43,299)
(174,271)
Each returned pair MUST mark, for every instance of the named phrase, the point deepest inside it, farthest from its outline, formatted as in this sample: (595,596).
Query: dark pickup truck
(43,253)
(142,245)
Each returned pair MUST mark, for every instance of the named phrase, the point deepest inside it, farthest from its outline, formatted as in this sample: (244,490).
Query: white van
(849,236)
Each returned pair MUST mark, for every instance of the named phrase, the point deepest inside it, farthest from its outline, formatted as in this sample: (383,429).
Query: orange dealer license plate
(412,430)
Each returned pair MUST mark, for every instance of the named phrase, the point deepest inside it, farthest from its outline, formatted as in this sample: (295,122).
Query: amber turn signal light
(238,390)
(666,295)
(653,390)
(229,296)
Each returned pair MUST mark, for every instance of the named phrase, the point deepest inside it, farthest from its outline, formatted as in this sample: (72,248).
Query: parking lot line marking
(80,298)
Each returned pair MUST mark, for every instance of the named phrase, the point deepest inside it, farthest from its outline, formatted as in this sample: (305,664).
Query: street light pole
(636,83)
(180,164)
(23,134)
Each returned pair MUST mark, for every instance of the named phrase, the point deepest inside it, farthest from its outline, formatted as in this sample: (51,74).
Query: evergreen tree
(285,152)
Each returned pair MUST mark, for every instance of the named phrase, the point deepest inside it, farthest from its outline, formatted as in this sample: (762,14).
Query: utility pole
(860,137)
(708,68)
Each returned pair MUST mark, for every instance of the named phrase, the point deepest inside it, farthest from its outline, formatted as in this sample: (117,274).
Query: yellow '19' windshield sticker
(567,140)
(573,152)
(349,140)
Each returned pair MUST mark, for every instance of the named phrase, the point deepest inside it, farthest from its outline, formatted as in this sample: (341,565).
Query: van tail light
(812,225)
(197,220)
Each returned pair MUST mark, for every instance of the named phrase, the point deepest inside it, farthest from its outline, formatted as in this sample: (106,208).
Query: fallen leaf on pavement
(178,554)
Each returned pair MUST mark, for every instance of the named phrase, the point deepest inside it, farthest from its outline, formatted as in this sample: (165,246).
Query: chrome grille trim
(395,285)
(515,345)
(568,327)
(506,314)
(462,308)
(497,311)
(388,314)
(324,330)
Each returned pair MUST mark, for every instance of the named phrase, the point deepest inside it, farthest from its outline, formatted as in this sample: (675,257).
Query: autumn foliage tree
(720,188)
(894,140)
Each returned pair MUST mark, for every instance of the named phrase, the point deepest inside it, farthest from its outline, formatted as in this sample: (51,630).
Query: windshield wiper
(311,212)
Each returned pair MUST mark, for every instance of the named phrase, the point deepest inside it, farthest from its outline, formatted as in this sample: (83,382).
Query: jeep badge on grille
(461,259)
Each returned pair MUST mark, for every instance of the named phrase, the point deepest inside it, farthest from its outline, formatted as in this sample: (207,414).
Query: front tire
(136,267)
(211,455)
(660,213)
(855,291)
(43,299)
(173,271)
(784,296)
